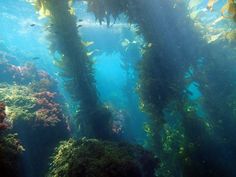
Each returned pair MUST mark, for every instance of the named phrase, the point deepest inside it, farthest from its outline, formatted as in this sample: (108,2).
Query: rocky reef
(3,125)
(91,157)
(10,155)
(33,109)
(10,149)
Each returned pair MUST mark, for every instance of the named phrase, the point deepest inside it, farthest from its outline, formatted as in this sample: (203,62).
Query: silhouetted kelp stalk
(217,82)
(76,67)
(163,84)
(89,157)
(161,73)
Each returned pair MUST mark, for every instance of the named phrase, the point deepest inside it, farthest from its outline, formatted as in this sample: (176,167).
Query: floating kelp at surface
(91,157)
(221,22)
(229,7)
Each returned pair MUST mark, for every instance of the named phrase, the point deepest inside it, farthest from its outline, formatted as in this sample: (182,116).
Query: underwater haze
(117,88)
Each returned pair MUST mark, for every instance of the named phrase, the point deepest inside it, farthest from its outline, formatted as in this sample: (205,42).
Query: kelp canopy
(227,11)
(215,20)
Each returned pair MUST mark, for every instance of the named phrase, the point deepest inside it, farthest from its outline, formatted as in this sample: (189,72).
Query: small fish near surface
(79,26)
(35,58)
(92,52)
(87,43)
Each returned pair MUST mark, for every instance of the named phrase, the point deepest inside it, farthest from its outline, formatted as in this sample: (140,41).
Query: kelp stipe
(76,67)
(163,85)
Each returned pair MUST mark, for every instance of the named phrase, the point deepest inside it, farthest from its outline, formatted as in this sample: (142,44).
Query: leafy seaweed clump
(91,157)
(10,151)
(19,102)
(22,103)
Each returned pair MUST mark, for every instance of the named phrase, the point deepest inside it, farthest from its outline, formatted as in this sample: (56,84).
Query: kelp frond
(227,11)
(75,65)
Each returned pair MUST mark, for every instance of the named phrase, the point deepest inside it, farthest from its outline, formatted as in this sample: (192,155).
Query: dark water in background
(24,37)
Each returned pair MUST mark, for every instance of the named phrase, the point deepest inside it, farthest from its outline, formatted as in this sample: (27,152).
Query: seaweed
(10,155)
(33,110)
(76,67)
(229,7)
(91,157)
(179,135)
(163,86)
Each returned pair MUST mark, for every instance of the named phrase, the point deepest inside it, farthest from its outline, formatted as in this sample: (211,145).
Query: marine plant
(76,67)
(229,7)
(220,26)
(34,110)
(26,74)
(10,149)
(3,125)
(163,82)
(24,104)
(19,102)
(218,102)
(91,157)
(10,154)
(39,121)
(163,86)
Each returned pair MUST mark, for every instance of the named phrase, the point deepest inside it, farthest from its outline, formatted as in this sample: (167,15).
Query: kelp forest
(117,88)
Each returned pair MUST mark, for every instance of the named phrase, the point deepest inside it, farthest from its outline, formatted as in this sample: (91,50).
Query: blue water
(117,52)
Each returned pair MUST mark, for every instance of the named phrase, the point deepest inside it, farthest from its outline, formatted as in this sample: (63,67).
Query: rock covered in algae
(10,149)
(3,125)
(22,103)
(10,153)
(27,74)
(91,157)
(35,110)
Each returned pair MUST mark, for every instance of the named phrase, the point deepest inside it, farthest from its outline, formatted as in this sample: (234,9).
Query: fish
(32,25)
(35,58)
(57,74)
(80,20)
(149,45)
(49,26)
(79,26)
(87,43)
(92,52)
(125,43)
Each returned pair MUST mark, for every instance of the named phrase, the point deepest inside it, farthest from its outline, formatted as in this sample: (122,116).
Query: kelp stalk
(76,67)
